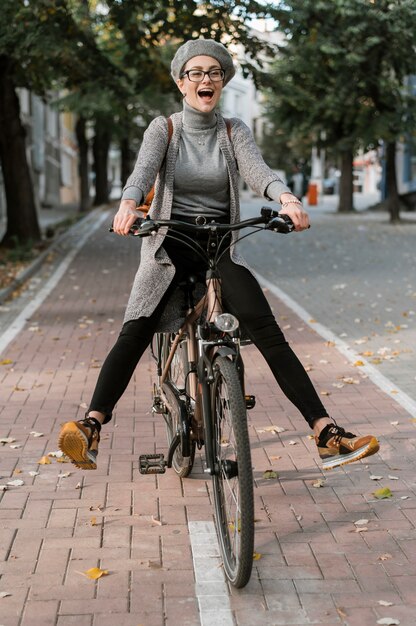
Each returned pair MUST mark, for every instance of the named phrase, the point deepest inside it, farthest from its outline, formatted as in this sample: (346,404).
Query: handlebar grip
(142,227)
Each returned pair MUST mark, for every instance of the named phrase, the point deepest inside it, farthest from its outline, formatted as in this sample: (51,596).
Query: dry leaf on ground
(45,460)
(269,474)
(382,494)
(95,572)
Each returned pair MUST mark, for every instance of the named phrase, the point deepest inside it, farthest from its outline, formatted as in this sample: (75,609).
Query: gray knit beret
(207,47)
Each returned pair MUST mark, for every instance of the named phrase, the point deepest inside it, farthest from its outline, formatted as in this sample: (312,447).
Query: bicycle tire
(233,494)
(173,386)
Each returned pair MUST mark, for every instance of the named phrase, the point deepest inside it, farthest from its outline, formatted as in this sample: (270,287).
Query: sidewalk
(317,564)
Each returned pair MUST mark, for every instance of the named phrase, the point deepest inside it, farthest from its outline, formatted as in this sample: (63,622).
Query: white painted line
(384,383)
(20,321)
(210,589)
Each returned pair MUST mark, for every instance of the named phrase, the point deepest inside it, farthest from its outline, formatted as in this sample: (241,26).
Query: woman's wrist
(289,198)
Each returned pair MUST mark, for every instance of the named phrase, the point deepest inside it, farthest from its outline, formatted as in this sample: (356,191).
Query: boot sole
(74,444)
(343,459)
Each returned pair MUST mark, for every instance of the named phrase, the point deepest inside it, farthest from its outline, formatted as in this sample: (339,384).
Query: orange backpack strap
(144,208)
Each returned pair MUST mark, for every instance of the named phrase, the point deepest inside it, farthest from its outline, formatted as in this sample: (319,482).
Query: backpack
(145,206)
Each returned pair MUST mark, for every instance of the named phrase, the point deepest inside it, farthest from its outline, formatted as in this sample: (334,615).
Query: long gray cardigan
(156,270)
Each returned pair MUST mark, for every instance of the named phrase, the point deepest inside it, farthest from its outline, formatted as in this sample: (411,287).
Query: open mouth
(206,94)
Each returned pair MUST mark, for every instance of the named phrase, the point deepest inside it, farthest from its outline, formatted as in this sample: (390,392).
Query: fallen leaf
(319,483)
(325,393)
(359,363)
(63,459)
(3,487)
(33,473)
(5,440)
(361,522)
(154,565)
(93,521)
(404,497)
(78,486)
(275,458)
(393,477)
(98,507)
(382,494)
(6,362)
(95,572)
(293,443)
(373,477)
(16,483)
(388,621)
(269,474)
(156,521)
(35,434)
(385,557)
(256,556)
(341,612)
(385,603)
(4,594)
(16,446)
(394,423)
(56,454)
(45,460)
(17,471)
(64,474)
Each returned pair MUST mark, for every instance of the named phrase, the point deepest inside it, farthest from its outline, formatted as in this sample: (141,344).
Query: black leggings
(243,297)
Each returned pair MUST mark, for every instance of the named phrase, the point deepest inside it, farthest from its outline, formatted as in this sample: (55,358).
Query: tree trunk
(22,219)
(126,167)
(84,191)
(346,183)
(101,146)
(393,200)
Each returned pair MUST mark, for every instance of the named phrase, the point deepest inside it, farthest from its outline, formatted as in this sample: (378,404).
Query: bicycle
(200,391)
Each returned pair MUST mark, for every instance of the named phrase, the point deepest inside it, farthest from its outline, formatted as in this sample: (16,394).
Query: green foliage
(342,70)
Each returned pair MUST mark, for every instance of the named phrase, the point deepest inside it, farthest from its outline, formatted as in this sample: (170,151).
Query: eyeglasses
(197,76)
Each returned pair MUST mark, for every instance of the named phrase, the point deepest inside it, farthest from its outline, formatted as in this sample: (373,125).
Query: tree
(46,49)
(341,74)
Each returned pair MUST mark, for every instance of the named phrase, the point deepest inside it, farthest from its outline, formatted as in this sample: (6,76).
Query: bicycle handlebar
(272,220)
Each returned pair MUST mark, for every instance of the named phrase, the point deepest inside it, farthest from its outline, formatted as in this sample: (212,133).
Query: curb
(34,267)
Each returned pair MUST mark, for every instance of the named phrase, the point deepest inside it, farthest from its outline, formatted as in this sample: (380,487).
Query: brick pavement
(315,568)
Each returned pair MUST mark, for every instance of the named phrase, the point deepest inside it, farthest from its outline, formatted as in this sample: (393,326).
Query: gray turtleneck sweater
(201,183)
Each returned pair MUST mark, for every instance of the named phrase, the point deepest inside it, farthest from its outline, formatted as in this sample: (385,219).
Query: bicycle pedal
(152,464)
(250,402)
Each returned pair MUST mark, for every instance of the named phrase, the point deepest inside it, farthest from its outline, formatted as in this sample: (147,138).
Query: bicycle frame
(197,348)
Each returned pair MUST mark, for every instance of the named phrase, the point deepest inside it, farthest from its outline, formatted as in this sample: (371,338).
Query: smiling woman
(196,173)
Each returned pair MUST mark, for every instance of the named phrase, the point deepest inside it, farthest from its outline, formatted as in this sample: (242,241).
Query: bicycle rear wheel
(176,419)
(233,480)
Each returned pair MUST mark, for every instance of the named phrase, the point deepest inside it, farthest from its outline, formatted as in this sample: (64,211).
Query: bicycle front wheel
(233,478)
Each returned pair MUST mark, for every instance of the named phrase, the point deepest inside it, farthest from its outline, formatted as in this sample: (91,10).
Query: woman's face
(203,96)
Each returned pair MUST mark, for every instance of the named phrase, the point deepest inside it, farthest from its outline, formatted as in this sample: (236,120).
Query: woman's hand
(125,217)
(292,207)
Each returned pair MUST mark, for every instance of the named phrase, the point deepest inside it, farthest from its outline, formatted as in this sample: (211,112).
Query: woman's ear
(181,86)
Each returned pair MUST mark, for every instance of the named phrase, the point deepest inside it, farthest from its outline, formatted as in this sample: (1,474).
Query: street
(329,551)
